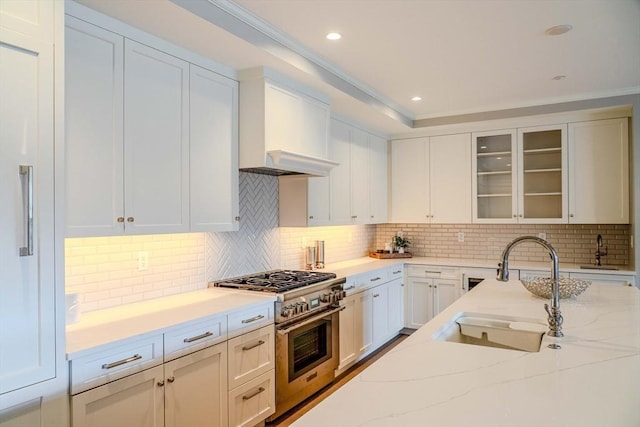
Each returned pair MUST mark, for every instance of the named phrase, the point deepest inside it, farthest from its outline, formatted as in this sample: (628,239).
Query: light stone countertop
(365,264)
(106,326)
(594,380)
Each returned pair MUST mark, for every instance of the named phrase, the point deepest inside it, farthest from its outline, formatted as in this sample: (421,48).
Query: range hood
(284,126)
(279,162)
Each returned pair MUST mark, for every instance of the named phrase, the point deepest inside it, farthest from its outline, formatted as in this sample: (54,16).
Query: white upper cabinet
(213,151)
(378,180)
(340,177)
(410,180)
(284,126)
(152,140)
(599,172)
(304,201)
(28,321)
(431,179)
(450,179)
(156,132)
(521,180)
(359,176)
(542,179)
(94,153)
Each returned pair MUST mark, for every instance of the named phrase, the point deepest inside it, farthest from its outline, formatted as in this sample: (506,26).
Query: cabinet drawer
(254,401)
(194,336)
(115,361)
(250,355)
(371,279)
(433,271)
(395,272)
(246,320)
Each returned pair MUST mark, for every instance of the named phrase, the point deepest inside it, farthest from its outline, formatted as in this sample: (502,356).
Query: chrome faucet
(600,250)
(555,317)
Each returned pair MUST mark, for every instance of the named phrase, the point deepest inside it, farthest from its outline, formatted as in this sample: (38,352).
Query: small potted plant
(400,243)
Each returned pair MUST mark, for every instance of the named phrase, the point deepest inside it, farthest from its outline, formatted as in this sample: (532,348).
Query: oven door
(307,356)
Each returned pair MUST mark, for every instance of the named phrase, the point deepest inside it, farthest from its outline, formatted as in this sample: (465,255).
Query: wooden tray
(388,255)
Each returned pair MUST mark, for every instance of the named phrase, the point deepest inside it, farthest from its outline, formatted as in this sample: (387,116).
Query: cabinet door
(137,400)
(599,172)
(450,179)
(365,314)
(494,177)
(156,133)
(444,294)
(213,151)
(251,403)
(350,325)
(410,180)
(380,314)
(319,200)
(196,388)
(378,180)
(27,276)
(419,303)
(542,174)
(340,176)
(396,306)
(94,142)
(283,119)
(359,176)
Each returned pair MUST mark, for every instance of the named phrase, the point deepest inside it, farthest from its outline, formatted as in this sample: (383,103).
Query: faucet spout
(555,316)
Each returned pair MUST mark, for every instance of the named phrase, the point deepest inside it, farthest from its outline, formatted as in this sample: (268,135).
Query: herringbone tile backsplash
(104,271)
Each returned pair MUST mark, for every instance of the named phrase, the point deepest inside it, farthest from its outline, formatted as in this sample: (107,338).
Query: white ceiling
(461,56)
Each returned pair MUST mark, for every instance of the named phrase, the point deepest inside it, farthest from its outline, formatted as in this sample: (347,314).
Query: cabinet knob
(571,215)
(514,215)
(160,383)
(237,218)
(520,215)
(170,379)
(120,219)
(354,216)
(310,216)
(130,219)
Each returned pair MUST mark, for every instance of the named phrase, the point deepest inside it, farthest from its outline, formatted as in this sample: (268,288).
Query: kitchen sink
(489,330)
(598,267)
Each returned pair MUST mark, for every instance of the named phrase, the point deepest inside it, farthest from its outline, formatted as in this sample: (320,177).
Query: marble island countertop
(593,380)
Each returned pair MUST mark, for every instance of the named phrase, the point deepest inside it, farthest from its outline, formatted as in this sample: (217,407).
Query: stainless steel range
(307,325)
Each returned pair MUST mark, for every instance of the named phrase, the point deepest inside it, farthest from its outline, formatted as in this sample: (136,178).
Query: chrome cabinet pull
(120,219)
(253,319)
(237,218)
(375,279)
(376,295)
(397,272)
(254,394)
(258,344)
(122,362)
(350,287)
(198,337)
(28,249)
(433,272)
(130,219)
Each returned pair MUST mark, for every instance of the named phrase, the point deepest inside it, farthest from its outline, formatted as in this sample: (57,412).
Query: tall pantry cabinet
(31,333)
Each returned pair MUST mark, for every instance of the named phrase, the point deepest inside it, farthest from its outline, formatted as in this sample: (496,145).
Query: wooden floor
(289,417)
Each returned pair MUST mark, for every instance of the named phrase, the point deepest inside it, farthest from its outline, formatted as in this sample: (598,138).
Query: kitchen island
(593,380)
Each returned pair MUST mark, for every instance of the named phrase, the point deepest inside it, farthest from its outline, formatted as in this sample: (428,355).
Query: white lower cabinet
(196,388)
(136,400)
(252,377)
(190,390)
(370,317)
(429,291)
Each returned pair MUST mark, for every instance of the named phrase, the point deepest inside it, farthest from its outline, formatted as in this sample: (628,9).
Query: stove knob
(338,295)
(299,308)
(325,298)
(305,306)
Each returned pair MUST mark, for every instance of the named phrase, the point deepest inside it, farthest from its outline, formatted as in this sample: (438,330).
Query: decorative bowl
(541,286)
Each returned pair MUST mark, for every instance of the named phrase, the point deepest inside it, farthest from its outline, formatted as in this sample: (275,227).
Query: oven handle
(285,331)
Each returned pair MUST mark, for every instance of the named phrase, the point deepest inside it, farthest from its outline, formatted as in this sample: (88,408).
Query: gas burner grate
(276,280)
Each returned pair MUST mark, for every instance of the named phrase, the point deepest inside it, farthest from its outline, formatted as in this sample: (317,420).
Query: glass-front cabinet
(520,175)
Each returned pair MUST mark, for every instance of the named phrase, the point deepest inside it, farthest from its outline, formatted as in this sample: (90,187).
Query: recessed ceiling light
(416,98)
(560,77)
(558,29)
(334,36)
